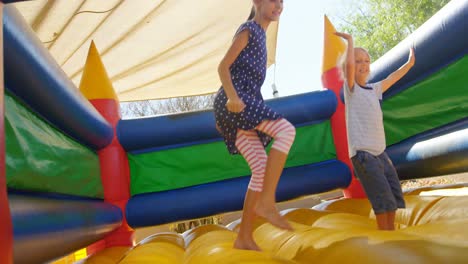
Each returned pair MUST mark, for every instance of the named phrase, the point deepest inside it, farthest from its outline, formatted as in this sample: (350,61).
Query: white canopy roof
(151,48)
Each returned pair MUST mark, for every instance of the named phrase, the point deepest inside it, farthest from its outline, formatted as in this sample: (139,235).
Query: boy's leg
(391,220)
(252,150)
(283,132)
(386,221)
(370,172)
(394,182)
(381,221)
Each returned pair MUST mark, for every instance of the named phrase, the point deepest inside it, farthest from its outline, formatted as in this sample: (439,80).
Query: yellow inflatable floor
(432,229)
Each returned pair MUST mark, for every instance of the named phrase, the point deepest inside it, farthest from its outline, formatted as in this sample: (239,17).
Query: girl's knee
(290,131)
(287,130)
(285,137)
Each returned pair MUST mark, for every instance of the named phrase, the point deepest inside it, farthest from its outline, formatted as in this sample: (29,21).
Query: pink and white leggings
(249,145)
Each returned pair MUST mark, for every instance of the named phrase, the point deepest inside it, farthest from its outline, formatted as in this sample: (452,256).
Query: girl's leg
(252,150)
(245,238)
(283,132)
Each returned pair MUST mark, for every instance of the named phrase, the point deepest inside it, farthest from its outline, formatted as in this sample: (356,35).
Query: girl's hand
(235,105)
(346,36)
(411,57)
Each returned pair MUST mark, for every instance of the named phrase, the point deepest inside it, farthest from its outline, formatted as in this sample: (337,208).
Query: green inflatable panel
(438,100)
(41,158)
(198,164)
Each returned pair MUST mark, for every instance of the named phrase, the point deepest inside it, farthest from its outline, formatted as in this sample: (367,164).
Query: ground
(304,202)
(442,180)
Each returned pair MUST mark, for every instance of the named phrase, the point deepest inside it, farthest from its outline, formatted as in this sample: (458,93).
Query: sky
(300,45)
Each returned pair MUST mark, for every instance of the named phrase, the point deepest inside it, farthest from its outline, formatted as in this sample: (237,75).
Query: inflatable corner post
(6,227)
(115,173)
(334,47)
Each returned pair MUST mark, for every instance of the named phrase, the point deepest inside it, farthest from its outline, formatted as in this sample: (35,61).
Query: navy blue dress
(247,74)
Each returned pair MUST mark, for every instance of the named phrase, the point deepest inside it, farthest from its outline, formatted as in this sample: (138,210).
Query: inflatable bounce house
(76,175)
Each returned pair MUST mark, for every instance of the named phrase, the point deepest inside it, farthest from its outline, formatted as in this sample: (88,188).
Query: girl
(366,136)
(248,125)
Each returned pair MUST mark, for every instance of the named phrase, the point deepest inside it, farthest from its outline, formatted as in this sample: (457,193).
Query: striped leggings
(251,148)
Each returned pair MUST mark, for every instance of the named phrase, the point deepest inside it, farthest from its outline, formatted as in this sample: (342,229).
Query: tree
(166,106)
(188,103)
(379,25)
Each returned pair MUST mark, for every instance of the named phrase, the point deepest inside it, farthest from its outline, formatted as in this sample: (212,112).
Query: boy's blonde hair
(342,61)
(362,49)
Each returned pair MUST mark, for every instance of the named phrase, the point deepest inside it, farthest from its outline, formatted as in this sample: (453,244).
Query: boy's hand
(411,57)
(398,74)
(346,36)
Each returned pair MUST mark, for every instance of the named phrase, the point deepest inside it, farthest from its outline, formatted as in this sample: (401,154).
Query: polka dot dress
(248,74)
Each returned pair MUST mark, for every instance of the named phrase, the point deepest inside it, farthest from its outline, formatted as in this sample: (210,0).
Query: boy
(366,136)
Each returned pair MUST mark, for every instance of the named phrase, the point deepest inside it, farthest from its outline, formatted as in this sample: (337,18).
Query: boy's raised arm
(349,65)
(398,74)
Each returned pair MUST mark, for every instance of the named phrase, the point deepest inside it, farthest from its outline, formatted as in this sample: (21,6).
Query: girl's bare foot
(273,217)
(246,244)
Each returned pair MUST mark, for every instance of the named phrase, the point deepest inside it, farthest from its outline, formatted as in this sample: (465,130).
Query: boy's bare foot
(246,244)
(273,217)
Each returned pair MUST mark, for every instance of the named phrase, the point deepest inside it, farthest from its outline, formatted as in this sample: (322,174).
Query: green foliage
(379,25)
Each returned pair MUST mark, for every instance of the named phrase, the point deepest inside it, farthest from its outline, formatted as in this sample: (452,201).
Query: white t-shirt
(364,118)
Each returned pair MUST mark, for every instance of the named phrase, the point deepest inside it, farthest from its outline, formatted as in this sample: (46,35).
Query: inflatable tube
(12,1)
(437,43)
(441,151)
(67,224)
(225,196)
(32,75)
(199,127)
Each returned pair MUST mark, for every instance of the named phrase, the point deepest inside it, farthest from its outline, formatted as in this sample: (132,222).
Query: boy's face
(362,64)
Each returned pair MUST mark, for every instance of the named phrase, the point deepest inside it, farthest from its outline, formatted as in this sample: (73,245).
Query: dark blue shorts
(379,180)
